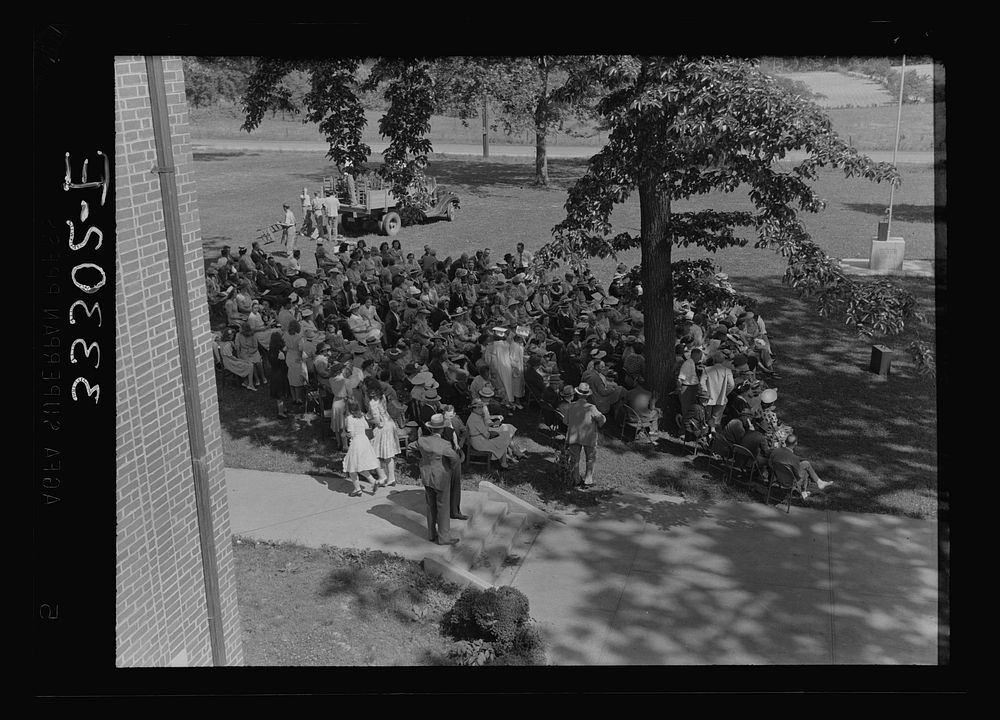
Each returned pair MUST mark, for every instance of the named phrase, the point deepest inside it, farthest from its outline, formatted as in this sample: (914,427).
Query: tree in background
(334,103)
(539,92)
(681,127)
(209,80)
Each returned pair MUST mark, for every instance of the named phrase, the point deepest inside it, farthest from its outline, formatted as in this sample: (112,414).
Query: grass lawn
(303,606)
(867,128)
(875,437)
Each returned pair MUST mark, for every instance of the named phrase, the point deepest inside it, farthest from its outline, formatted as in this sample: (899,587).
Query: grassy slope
(330,607)
(875,437)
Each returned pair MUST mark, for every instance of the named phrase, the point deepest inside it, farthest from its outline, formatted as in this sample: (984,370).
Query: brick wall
(161,607)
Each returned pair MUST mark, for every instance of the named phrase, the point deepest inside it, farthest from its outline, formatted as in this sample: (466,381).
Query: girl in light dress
(360,457)
(385,440)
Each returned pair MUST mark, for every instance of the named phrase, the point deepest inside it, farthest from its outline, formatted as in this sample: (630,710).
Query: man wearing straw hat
(437,458)
(583,422)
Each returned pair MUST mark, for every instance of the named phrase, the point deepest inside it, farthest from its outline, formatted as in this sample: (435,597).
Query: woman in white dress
(516,343)
(360,457)
(502,367)
(385,439)
(370,313)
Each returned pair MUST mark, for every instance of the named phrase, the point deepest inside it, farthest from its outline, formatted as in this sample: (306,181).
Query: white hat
(300,283)
(769,395)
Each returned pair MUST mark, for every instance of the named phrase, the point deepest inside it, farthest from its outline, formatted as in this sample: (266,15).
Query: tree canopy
(334,103)
(687,126)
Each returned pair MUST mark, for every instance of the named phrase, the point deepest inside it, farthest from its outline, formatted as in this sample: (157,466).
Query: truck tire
(391,223)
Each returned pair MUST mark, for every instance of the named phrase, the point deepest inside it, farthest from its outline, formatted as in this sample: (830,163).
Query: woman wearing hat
(294,361)
(385,439)
(487,434)
(238,366)
(775,431)
(246,347)
(360,326)
(502,364)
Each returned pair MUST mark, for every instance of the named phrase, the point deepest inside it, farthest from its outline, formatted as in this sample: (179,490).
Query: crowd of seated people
(433,332)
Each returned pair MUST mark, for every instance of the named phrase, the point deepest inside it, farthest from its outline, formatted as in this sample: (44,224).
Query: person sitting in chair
(643,402)
(785,458)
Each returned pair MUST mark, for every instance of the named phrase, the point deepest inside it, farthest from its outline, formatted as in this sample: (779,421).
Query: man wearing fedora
(436,462)
(583,423)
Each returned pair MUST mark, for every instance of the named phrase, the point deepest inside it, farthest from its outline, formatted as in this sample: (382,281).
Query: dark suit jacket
(392,327)
(433,470)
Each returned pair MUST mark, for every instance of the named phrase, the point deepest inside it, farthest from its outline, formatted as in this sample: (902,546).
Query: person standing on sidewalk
(289,230)
(435,452)
(583,422)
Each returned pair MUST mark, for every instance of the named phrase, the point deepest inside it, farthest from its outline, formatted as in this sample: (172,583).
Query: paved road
(557,151)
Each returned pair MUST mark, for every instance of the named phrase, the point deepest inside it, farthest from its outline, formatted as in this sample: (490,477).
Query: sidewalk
(656,580)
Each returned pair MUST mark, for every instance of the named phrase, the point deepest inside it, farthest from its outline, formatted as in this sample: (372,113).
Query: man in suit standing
(583,420)
(436,477)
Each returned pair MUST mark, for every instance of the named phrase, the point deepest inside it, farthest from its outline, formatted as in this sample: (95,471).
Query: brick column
(161,615)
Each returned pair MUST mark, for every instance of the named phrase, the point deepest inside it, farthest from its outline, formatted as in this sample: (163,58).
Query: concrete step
(478,529)
(518,551)
(490,561)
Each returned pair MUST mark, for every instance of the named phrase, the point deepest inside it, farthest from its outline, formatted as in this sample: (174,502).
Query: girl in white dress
(360,457)
(385,440)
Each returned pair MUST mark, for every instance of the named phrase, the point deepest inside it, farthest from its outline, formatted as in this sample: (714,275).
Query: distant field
(841,90)
(867,128)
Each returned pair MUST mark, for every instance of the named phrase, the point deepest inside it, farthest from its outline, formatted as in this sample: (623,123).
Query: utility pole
(895,147)
(486,138)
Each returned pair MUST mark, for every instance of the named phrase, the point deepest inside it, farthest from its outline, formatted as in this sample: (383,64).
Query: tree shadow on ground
(876,437)
(649,581)
(901,213)
(387,584)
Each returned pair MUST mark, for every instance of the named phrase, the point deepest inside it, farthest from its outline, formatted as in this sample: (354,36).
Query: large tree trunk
(542,125)
(657,289)
(541,158)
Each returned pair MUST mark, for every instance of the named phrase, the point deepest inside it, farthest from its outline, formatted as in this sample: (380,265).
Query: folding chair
(783,479)
(632,419)
(477,456)
(743,465)
(685,437)
(532,398)
(313,399)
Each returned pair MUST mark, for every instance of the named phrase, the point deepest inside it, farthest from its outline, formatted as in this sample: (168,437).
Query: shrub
(494,615)
(474,653)
(492,627)
(923,357)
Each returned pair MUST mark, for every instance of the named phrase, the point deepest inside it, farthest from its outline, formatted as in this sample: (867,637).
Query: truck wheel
(452,212)
(391,223)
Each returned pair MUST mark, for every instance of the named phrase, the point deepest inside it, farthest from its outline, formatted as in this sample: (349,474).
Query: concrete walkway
(202,145)
(652,579)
